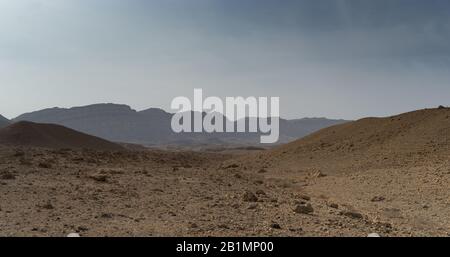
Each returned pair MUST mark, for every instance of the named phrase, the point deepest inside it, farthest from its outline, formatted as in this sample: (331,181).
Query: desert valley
(61,173)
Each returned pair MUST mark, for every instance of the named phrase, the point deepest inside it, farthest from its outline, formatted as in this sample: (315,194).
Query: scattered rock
(352,214)
(253,206)
(275,226)
(260,193)
(48,206)
(82,229)
(304,209)
(232,166)
(378,199)
(223,226)
(45,165)
(249,197)
(305,197)
(7,176)
(99,178)
(333,205)
(318,174)
(107,216)
(19,153)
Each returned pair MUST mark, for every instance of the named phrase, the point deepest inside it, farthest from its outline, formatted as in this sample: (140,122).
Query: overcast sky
(333,58)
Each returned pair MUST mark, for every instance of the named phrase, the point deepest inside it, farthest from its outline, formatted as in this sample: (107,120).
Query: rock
(223,226)
(99,178)
(253,206)
(333,205)
(275,226)
(249,197)
(19,153)
(107,216)
(373,235)
(45,165)
(7,176)
(48,206)
(262,171)
(318,174)
(232,166)
(305,197)
(352,214)
(82,228)
(304,209)
(73,235)
(378,199)
(260,193)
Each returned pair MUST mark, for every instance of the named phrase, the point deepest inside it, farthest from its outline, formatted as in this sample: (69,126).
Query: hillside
(405,139)
(51,136)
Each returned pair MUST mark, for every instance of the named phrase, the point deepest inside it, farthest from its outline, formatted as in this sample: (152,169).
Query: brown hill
(405,139)
(52,136)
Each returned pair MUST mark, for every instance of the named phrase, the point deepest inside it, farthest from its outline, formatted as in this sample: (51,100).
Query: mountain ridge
(121,123)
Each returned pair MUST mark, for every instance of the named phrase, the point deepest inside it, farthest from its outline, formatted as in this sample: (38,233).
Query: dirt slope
(52,136)
(403,140)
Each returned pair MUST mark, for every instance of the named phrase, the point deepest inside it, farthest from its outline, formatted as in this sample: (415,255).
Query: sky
(324,58)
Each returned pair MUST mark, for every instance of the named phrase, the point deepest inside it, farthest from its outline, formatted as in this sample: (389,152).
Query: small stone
(373,235)
(333,205)
(45,165)
(232,166)
(305,197)
(48,206)
(223,226)
(99,178)
(107,216)
(253,206)
(304,209)
(352,214)
(73,235)
(82,228)
(260,192)
(275,226)
(378,199)
(250,197)
(8,176)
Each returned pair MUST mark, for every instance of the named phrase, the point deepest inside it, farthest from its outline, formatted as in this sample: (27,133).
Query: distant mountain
(31,134)
(3,121)
(120,123)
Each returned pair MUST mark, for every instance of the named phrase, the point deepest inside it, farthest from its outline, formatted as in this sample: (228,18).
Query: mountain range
(3,121)
(152,127)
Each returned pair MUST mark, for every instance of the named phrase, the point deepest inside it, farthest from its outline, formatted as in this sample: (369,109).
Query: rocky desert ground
(378,175)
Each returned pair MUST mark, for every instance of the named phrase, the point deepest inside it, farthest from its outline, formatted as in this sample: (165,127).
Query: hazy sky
(334,58)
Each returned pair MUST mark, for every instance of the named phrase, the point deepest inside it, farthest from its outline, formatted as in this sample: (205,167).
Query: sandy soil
(53,193)
(388,176)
